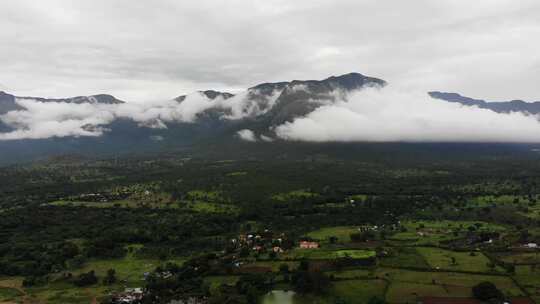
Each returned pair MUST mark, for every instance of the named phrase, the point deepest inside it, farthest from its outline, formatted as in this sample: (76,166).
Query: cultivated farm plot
(405,257)
(113,204)
(406,283)
(275,264)
(442,259)
(294,195)
(63,292)
(323,254)
(9,295)
(357,291)
(522,258)
(207,207)
(488,200)
(129,272)
(342,233)
(214,282)
(410,292)
(433,233)
(528,276)
(351,274)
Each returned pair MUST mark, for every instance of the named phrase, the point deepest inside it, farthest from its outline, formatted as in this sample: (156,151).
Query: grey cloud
(153,51)
(394,114)
(247,135)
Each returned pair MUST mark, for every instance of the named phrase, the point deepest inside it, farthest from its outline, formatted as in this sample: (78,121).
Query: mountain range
(219,117)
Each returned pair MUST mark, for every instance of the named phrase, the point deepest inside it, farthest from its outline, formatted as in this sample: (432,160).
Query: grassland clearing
(343,234)
(325,254)
(458,261)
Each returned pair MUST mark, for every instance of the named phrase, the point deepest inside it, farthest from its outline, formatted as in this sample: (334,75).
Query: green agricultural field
(120,204)
(357,291)
(342,233)
(129,273)
(206,207)
(488,200)
(63,292)
(405,292)
(522,258)
(459,284)
(355,254)
(405,257)
(352,274)
(214,282)
(275,264)
(205,195)
(9,294)
(294,195)
(358,197)
(238,173)
(442,259)
(433,233)
(528,277)
(324,254)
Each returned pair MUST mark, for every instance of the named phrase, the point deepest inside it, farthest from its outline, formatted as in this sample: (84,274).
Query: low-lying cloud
(59,119)
(391,114)
(397,115)
(247,135)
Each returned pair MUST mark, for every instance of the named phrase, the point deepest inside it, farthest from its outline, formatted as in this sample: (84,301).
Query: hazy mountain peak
(210,94)
(93,99)
(496,106)
(7,103)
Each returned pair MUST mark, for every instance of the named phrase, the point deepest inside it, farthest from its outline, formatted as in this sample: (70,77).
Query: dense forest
(73,223)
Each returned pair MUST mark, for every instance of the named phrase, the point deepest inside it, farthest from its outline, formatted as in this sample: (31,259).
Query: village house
(308,245)
(277,249)
(130,295)
(258,248)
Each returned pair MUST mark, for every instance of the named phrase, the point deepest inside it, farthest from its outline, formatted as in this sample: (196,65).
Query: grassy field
(357,291)
(522,258)
(342,233)
(433,233)
(195,205)
(207,207)
(454,284)
(205,195)
(442,259)
(405,292)
(275,264)
(528,277)
(8,294)
(294,195)
(215,281)
(237,173)
(352,274)
(532,206)
(405,257)
(129,273)
(324,254)
(121,204)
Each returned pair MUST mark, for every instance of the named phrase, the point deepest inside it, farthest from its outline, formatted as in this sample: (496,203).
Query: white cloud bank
(56,119)
(392,114)
(247,135)
(397,115)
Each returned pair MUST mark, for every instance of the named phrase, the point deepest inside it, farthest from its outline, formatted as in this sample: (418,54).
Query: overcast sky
(151,50)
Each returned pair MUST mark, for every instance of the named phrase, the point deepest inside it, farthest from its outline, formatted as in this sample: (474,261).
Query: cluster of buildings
(267,241)
(129,296)
(262,241)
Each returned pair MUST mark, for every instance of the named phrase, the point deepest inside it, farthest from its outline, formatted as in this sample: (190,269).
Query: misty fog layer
(379,115)
(394,114)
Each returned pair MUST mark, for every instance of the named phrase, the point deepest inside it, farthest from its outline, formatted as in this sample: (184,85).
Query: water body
(279,297)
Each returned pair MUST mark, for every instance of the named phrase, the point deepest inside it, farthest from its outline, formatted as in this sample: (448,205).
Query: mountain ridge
(259,109)
(495,106)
